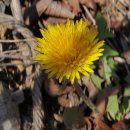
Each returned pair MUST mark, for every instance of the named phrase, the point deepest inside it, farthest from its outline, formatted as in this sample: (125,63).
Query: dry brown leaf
(94,123)
(116,23)
(48,7)
(101,2)
(92,90)
(102,126)
(69,100)
(53,21)
(58,10)
(75,5)
(89,122)
(7,2)
(102,98)
(54,89)
(3,29)
(89,3)
(126,55)
(19,65)
(82,128)
(119,126)
(73,118)
(115,12)
(127,116)
(51,87)
(58,117)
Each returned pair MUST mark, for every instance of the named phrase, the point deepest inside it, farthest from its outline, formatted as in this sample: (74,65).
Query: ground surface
(31,101)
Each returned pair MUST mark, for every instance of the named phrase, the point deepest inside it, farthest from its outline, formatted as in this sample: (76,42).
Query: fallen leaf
(120,125)
(54,89)
(95,123)
(73,117)
(53,21)
(92,90)
(48,7)
(75,5)
(126,55)
(3,29)
(101,2)
(89,3)
(69,100)
(103,96)
(58,117)
(102,126)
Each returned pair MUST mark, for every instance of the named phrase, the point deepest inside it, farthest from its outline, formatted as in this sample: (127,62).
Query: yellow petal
(72,77)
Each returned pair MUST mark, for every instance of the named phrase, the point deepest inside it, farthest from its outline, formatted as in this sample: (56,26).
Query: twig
(15,57)
(18,40)
(87,101)
(89,15)
(12,64)
(12,51)
(123,3)
(118,8)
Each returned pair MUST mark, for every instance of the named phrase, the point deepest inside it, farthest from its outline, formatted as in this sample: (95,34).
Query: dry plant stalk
(87,101)
(31,70)
(16,10)
(38,112)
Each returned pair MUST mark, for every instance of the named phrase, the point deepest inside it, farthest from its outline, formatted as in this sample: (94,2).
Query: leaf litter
(46,104)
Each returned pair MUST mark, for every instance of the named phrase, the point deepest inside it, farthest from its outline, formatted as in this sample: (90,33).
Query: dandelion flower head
(68,50)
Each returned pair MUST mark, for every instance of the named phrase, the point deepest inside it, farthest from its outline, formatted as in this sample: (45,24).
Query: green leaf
(109,52)
(102,27)
(127,78)
(125,106)
(97,81)
(111,63)
(116,111)
(112,106)
(107,72)
(113,67)
(127,91)
(108,64)
(124,109)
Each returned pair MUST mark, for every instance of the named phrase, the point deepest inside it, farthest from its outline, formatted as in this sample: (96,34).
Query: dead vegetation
(31,101)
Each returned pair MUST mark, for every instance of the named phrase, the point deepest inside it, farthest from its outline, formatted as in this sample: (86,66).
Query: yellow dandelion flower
(68,50)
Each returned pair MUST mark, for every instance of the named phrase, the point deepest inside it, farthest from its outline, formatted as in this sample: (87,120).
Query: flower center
(73,61)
